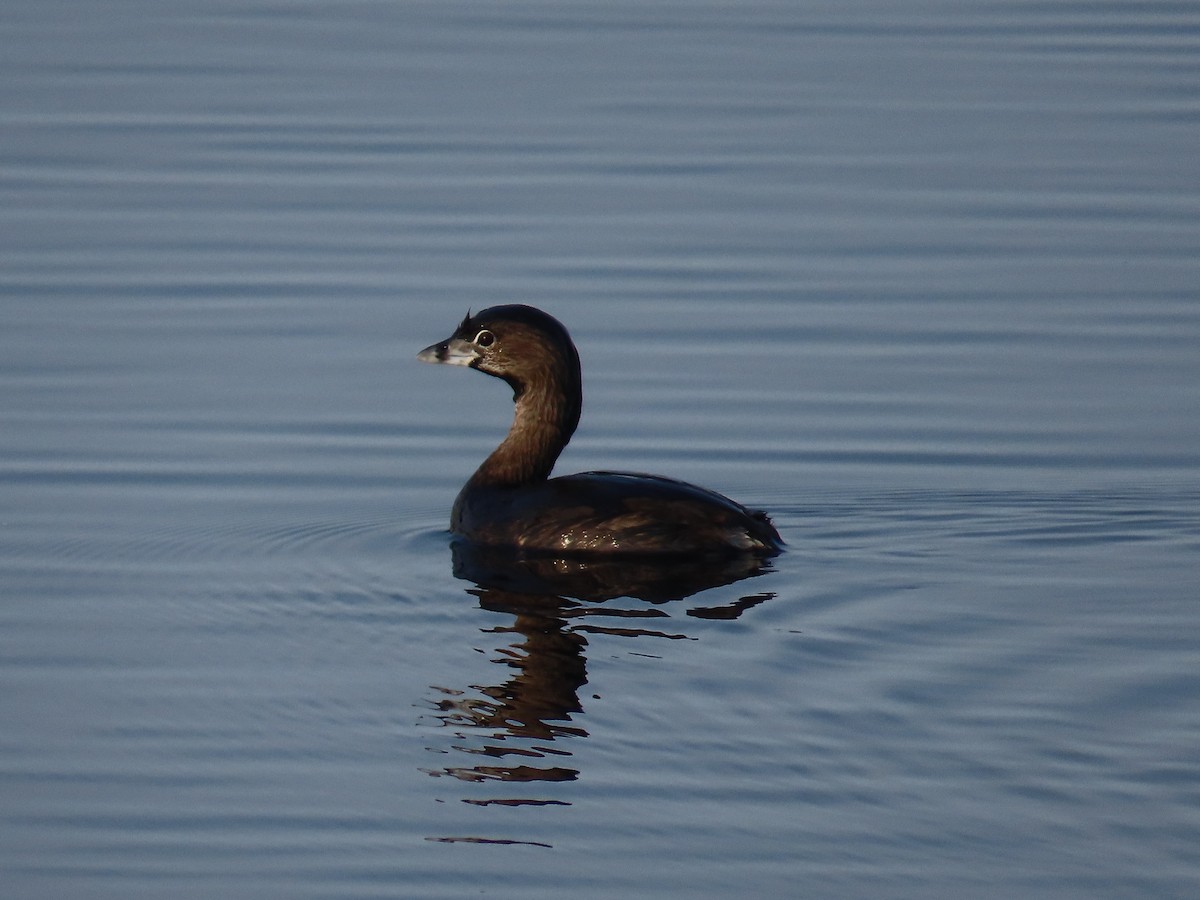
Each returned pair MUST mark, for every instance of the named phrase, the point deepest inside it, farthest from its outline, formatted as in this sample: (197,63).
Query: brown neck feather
(544,420)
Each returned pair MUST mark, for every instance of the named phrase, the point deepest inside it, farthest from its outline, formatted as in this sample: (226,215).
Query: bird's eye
(485,339)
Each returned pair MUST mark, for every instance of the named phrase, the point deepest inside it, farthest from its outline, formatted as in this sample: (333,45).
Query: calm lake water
(919,278)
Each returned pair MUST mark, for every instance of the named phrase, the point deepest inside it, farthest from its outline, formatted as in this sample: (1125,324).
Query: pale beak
(452,351)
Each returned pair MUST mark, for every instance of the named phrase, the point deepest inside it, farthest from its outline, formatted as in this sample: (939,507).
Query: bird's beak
(452,351)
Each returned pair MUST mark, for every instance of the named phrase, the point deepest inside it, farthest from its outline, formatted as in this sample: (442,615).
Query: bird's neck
(544,420)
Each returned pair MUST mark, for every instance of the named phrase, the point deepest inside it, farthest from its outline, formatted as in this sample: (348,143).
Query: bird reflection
(535,704)
(521,726)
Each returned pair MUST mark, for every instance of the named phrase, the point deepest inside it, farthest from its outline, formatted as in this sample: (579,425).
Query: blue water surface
(920,279)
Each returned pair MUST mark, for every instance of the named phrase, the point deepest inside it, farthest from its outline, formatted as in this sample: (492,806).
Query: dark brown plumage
(512,501)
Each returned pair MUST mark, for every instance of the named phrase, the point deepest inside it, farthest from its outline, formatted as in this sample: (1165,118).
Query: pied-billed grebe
(512,501)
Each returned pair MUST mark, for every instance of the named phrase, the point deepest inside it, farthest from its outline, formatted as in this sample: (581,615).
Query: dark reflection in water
(517,727)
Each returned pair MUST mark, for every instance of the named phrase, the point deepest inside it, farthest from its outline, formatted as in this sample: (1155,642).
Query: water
(919,280)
